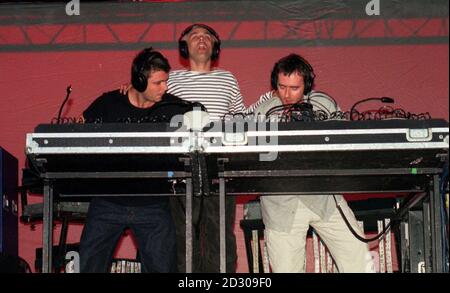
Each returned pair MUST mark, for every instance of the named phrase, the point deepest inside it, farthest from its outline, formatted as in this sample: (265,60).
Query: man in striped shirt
(216,89)
(219,92)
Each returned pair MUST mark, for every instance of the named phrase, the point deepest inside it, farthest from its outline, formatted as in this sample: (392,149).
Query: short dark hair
(290,64)
(144,63)
(150,60)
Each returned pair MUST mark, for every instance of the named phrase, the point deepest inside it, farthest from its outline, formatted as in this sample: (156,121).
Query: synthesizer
(263,151)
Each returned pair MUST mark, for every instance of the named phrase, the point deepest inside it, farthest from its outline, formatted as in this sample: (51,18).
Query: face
(200,43)
(156,87)
(290,87)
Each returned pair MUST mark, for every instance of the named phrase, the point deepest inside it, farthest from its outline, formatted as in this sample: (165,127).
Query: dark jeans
(206,247)
(152,226)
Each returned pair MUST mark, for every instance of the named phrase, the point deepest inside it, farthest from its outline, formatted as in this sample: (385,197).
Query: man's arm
(324,102)
(251,109)
(237,104)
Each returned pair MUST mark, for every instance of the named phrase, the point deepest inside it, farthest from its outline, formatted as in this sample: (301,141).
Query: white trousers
(287,250)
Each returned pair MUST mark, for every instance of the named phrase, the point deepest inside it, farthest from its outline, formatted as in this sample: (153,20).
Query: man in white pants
(287,218)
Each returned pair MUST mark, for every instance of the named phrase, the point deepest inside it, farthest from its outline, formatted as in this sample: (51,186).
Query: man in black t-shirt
(148,217)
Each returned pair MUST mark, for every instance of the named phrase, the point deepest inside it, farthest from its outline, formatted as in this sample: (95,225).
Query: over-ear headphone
(183,47)
(290,64)
(139,78)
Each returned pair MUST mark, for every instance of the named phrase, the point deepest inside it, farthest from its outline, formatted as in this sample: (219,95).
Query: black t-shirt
(114,107)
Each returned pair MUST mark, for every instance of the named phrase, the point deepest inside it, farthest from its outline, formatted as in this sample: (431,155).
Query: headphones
(183,47)
(139,79)
(292,63)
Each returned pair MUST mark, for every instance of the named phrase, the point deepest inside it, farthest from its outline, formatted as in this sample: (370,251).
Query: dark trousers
(152,226)
(206,233)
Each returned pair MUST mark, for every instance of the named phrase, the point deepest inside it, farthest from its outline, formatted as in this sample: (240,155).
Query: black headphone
(291,63)
(139,79)
(183,47)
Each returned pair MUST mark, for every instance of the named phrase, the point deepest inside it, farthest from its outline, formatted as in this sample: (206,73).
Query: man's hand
(124,88)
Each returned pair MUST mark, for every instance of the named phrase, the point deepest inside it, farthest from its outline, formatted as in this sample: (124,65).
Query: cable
(183,209)
(381,99)
(386,113)
(360,238)
(68,91)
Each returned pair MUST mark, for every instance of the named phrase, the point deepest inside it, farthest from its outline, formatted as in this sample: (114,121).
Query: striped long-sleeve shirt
(217,90)
(319,100)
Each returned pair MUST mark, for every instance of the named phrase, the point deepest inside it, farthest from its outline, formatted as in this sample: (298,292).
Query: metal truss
(123,26)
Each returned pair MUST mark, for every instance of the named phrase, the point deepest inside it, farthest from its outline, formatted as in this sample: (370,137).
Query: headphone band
(206,27)
(183,47)
(142,60)
(291,63)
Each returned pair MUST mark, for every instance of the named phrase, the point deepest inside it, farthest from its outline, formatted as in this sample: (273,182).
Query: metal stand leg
(47,233)
(416,242)
(188,225)
(402,241)
(222,213)
(222,224)
(427,241)
(62,246)
(437,265)
(189,194)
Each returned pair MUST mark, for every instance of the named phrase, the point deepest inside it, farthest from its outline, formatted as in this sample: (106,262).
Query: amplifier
(9,204)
